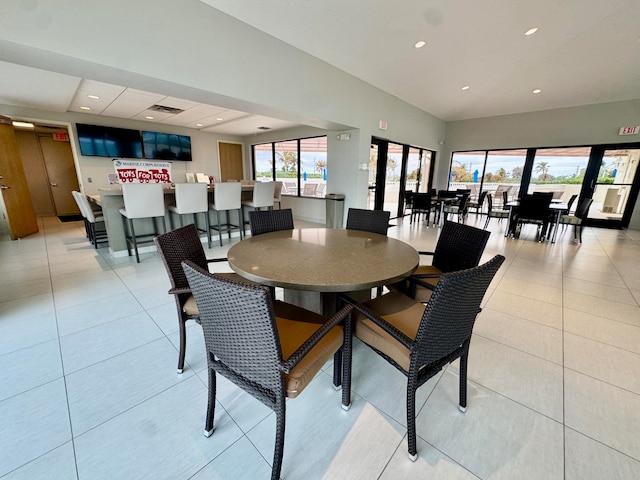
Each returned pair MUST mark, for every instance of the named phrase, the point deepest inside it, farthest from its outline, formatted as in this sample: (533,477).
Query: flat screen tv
(166,146)
(98,141)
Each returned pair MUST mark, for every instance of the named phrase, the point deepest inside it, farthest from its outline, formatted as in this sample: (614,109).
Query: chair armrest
(213,260)
(426,253)
(311,342)
(178,291)
(381,322)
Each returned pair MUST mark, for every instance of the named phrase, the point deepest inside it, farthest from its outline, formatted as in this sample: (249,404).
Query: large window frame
(299,163)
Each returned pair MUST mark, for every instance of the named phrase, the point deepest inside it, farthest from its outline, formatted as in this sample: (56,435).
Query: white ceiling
(585,52)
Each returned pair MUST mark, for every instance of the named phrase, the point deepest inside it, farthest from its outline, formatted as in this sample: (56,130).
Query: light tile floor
(88,347)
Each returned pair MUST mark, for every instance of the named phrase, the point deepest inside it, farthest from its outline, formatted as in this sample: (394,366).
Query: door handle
(53,184)
(4,187)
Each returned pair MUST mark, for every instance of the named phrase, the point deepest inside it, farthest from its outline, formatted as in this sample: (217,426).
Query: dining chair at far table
(493,212)
(576,219)
(374,221)
(420,340)
(174,247)
(265,221)
(459,247)
(423,204)
(478,202)
(269,356)
(533,209)
(141,200)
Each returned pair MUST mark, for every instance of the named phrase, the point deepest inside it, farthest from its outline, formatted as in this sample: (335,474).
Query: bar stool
(263,197)
(277,195)
(227,196)
(91,218)
(141,200)
(191,198)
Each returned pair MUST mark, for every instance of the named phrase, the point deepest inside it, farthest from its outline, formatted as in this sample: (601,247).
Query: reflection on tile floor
(88,345)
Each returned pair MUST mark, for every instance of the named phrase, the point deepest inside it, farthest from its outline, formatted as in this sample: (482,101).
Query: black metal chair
(459,247)
(268,356)
(493,212)
(174,247)
(577,218)
(265,221)
(374,221)
(534,209)
(477,203)
(461,208)
(422,204)
(419,342)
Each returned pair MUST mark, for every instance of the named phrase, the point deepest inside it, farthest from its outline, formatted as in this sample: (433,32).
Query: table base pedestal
(323,303)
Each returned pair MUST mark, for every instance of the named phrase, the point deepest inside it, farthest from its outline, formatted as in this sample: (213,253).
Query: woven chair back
(177,246)
(451,312)
(374,221)
(265,221)
(239,328)
(459,247)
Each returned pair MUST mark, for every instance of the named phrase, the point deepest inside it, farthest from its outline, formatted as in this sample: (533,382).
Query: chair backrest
(421,201)
(489,202)
(572,199)
(583,207)
(192,197)
(176,246)
(310,189)
(534,207)
(320,189)
(143,200)
(463,205)
(481,198)
(374,221)
(239,328)
(447,194)
(277,191)
(448,319)
(87,211)
(265,221)
(77,197)
(263,194)
(459,247)
(228,196)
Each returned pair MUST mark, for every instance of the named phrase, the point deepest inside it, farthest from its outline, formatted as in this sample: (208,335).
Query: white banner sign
(134,171)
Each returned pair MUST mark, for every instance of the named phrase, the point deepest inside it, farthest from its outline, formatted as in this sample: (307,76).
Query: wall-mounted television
(98,141)
(166,146)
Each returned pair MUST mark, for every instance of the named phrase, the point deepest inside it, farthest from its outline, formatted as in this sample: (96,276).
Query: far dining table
(313,265)
(556,207)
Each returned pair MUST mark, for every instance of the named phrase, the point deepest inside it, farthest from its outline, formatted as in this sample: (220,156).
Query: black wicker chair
(493,212)
(265,221)
(534,209)
(269,356)
(174,247)
(423,204)
(421,341)
(374,221)
(576,219)
(459,247)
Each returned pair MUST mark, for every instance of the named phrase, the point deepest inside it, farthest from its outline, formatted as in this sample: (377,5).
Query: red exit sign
(61,137)
(629,130)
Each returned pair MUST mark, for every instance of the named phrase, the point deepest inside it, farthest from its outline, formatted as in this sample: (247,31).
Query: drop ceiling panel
(131,103)
(106,92)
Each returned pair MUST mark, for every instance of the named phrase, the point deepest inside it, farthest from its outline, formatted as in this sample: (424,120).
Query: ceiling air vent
(165,109)
(264,128)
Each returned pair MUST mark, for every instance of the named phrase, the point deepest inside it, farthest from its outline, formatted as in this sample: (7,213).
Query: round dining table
(314,264)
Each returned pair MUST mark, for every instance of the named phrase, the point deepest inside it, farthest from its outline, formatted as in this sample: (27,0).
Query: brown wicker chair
(269,356)
(459,247)
(374,221)
(420,340)
(265,221)
(174,247)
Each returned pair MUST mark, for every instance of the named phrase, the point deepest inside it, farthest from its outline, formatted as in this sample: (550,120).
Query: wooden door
(61,171)
(21,217)
(230,161)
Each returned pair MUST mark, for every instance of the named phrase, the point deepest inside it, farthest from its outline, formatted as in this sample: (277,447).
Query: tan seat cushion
(294,333)
(400,311)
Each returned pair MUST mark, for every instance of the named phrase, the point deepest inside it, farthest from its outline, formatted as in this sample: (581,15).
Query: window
(300,164)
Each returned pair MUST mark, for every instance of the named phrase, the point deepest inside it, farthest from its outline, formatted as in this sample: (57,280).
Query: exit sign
(61,137)
(629,130)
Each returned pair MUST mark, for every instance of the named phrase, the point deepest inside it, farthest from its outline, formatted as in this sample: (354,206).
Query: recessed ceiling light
(149,117)
(94,97)
(23,124)
(420,44)
(531,31)
(466,87)
(219,119)
(85,108)
(199,125)
(537,90)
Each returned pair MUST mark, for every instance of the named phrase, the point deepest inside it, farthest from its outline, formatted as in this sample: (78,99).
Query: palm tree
(542,168)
